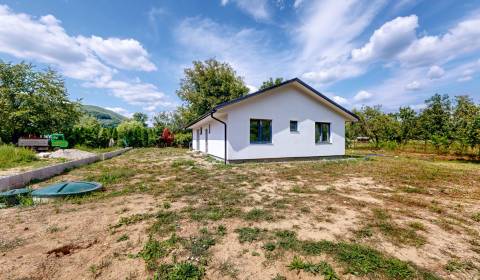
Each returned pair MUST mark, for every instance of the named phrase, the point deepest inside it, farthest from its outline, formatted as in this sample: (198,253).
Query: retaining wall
(19,180)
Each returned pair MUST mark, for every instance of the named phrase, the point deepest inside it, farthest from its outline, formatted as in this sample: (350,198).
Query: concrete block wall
(19,180)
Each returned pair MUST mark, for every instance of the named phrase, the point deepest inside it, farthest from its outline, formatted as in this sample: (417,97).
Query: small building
(289,120)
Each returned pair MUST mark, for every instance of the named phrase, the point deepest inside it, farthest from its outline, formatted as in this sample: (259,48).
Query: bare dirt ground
(169,214)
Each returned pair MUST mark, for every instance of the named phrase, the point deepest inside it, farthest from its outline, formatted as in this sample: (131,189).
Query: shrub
(182,139)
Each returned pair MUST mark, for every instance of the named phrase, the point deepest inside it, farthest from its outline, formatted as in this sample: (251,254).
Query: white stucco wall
(282,105)
(215,137)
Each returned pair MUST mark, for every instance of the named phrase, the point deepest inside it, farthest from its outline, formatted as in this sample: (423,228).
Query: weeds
(314,268)
(227,268)
(257,214)
(123,237)
(11,156)
(476,217)
(183,270)
(250,235)
(125,221)
(164,222)
(383,222)
(154,250)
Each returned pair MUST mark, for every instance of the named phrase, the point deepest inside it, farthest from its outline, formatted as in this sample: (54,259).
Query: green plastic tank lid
(67,188)
(15,192)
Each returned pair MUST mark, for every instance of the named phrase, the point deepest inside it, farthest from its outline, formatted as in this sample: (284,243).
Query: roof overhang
(348,115)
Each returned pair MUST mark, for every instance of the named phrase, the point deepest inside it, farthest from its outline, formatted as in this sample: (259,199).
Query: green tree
(408,124)
(33,102)
(141,118)
(86,132)
(131,133)
(435,120)
(206,85)
(464,113)
(271,82)
(377,125)
(473,137)
(172,120)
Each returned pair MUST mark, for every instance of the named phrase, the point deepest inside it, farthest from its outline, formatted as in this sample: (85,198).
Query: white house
(289,120)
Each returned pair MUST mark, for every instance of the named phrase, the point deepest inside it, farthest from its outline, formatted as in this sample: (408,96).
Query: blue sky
(129,56)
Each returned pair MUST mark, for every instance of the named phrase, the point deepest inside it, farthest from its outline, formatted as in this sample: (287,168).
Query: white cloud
(247,50)
(258,9)
(325,36)
(459,40)
(340,100)
(362,95)
(121,111)
(464,79)
(335,73)
(435,72)
(252,89)
(387,41)
(121,53)
(135,93)
(414,85)
(297,3)
(92,60)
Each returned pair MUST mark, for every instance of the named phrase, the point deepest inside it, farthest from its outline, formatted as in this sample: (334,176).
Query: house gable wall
(282,105)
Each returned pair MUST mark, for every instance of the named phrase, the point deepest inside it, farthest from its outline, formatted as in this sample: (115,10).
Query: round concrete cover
(15,192)
(67,188)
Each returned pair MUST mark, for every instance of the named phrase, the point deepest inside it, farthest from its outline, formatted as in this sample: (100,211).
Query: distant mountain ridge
(106,117)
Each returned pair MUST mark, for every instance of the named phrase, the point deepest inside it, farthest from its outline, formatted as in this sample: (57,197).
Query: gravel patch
(71,154)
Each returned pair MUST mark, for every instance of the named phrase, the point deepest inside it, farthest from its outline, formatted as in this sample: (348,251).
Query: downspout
(225,129)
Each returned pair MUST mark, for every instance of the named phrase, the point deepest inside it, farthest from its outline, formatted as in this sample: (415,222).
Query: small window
(260,131)
(201,130)
(294,126)
(208,128)
(322,132)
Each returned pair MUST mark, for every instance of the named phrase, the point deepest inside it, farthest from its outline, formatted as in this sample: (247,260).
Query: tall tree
(206,85)
(271,82)
(377,125)
(33,102)
(435,120)
(464,113)
(408,124)
(172,120)
(141,118)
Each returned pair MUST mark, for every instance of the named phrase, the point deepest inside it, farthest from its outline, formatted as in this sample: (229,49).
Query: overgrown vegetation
(11,156)
(448,127)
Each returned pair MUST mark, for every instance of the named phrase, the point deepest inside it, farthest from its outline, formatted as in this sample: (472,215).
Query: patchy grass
(247,234)
(258,215)
(322,268)
(207,220)
(183,270)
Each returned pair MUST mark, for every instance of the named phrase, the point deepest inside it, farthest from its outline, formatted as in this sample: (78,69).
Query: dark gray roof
(224,104)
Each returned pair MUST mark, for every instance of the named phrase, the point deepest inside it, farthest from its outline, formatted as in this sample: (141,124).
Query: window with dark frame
(201,130)
(260,131)
(293,126)
(322,132)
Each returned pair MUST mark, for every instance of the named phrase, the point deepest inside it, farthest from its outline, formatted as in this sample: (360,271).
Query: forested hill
(106,117)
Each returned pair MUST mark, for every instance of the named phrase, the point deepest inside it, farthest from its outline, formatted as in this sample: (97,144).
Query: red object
(167,136)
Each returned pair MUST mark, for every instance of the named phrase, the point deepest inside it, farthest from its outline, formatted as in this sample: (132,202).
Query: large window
(260,131)
(294,126)
(322,132)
